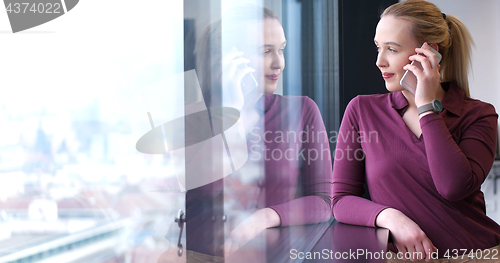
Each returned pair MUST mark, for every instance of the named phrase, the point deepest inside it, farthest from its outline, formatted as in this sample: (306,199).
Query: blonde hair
(429,25)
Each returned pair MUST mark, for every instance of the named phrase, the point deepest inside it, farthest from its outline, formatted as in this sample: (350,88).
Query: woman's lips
(386,75)
(273,77)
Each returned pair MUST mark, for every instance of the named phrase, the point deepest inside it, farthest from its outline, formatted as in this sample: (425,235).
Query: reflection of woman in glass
(287,179)
(424,167)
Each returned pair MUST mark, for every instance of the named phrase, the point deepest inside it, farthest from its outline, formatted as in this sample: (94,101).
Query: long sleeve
(314,202)
(458,168)
(433,179)
(349,174)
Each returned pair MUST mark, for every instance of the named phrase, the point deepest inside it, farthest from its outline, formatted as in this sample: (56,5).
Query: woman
(287,178)
(425,167)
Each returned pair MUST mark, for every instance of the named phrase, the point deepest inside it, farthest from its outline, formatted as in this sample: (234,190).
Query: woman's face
(394,45)
(269,60)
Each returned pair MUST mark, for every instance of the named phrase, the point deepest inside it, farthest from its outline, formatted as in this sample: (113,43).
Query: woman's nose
(278,62)
(381,61)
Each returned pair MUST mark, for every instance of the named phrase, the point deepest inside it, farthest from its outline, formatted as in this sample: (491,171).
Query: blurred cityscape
(74,189)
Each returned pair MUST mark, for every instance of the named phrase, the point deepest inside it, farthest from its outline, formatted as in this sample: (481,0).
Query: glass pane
(276,159)
(114,128)
(76,92)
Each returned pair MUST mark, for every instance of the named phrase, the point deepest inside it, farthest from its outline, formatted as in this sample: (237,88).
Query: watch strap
(425,107)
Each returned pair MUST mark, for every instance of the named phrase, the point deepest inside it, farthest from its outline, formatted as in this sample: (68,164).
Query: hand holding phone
(248,83)
(237,79)
(409,80)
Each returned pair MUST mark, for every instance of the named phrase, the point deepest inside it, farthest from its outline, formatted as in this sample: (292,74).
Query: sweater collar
(265,102)
(452,101)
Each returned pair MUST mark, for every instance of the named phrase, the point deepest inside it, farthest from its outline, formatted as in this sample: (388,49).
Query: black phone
(409,80)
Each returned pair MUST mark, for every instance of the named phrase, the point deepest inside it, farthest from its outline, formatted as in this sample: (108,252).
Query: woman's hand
(250,228)
(406,235)
(428,79)
(234,70)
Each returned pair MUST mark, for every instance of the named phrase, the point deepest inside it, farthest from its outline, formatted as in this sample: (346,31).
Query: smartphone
(248,83)
(409,80)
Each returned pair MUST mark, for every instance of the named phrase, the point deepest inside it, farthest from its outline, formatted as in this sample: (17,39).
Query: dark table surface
(326,242)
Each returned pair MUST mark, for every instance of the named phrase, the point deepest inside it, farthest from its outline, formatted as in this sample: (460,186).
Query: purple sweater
(294,148)
(435,180)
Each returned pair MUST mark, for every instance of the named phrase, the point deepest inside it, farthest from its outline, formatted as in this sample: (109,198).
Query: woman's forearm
(269,217)
(386,217)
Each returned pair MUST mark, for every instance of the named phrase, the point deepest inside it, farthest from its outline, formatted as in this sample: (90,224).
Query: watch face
(437,106)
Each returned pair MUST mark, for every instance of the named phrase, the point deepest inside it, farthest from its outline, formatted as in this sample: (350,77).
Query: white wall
(483,21)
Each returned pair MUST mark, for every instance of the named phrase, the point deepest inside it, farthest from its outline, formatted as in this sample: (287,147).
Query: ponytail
(458,60)
(454,41)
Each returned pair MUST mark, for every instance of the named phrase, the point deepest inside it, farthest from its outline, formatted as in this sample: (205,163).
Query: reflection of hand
(406,234)
(250,228)
(233,74)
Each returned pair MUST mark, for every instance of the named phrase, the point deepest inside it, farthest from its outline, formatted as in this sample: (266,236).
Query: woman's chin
(394,88)
(269,89)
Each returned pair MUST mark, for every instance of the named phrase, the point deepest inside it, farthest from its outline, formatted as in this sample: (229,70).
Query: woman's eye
(390,49)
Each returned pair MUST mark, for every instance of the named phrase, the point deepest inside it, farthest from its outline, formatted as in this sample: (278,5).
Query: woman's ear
(434,46)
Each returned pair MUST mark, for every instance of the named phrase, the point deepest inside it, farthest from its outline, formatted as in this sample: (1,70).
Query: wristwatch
(434,106)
